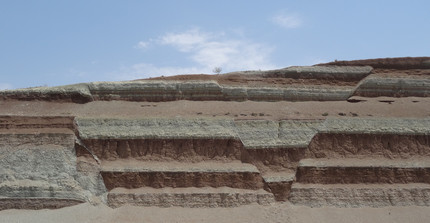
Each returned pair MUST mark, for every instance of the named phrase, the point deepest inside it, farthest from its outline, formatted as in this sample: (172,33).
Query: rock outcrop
(73,154)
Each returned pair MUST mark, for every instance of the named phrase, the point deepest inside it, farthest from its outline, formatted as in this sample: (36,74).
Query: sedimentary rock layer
(360,195)
(77,93)
(39,167)
(211,90)
(158,128)
(353,171)
(188,197)
(182,149)
(279,183)
(201,90)
(345,73)
(400,126)
(162,174)
(36,203)
(289,142)
(387,63)
(277,134)
(156,91)
(331,156)
(369,145)
(394,87)
(334,81)
(11,123)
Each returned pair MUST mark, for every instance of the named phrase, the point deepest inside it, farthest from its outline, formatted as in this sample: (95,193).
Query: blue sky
(58,42)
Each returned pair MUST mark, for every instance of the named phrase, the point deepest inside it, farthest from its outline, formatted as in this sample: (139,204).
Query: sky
(60,42)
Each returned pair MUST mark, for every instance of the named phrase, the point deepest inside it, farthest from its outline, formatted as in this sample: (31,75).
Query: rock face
(38,165)
(394,87)
(158,90)
(70,156)
(403,63)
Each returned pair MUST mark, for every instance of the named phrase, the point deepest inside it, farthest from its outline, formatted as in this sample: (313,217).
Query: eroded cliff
(315,136)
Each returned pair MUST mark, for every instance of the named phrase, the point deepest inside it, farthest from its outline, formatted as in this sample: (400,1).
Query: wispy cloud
(215,50)
(206,50)
(186,41)
(142,45)
(5,86)
(287,20)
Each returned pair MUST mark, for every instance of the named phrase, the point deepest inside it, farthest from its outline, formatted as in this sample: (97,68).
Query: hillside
(341,137)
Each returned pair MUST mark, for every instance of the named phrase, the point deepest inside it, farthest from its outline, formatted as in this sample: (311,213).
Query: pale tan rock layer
(331,82)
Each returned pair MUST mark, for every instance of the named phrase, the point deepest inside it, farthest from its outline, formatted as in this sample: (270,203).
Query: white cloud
(5,86)
(288,21)
(186,41)
(205,51)
(142,45)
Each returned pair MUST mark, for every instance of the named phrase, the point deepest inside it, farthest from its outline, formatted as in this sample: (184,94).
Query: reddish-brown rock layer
(166,149)
(243,180)
(401,63)
(36,203)
(36,122)
(341,145)
(353,175)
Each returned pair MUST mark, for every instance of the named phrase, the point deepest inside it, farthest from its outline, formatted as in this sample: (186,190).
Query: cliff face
(316,136)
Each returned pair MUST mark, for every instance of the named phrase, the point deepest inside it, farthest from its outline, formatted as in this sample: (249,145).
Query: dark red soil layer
(356,175)
(410,73)
(36,122)
(401,63)
(243,180)
(339,145)
(190,150)
(274,158)
(60,97)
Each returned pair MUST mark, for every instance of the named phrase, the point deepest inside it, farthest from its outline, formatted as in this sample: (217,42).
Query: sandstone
(78,93)
(360,195)
(155,128)
(173,174)
(394,87)
(403,63)
(322,72)
(244,138)
(269,134)
(353,171)
(192,197)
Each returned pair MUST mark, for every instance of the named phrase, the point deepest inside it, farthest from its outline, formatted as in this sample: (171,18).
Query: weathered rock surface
(360,195)
(271,134)
(346,73)
(106,128)
(75,154)
(156,90)
(353,171)
(77,93)
(394,87)
(335,81)
(39,167)
(402,63)
(189,197)
(274,147)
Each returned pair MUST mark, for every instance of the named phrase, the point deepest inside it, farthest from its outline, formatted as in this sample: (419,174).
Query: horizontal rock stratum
(343,134)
